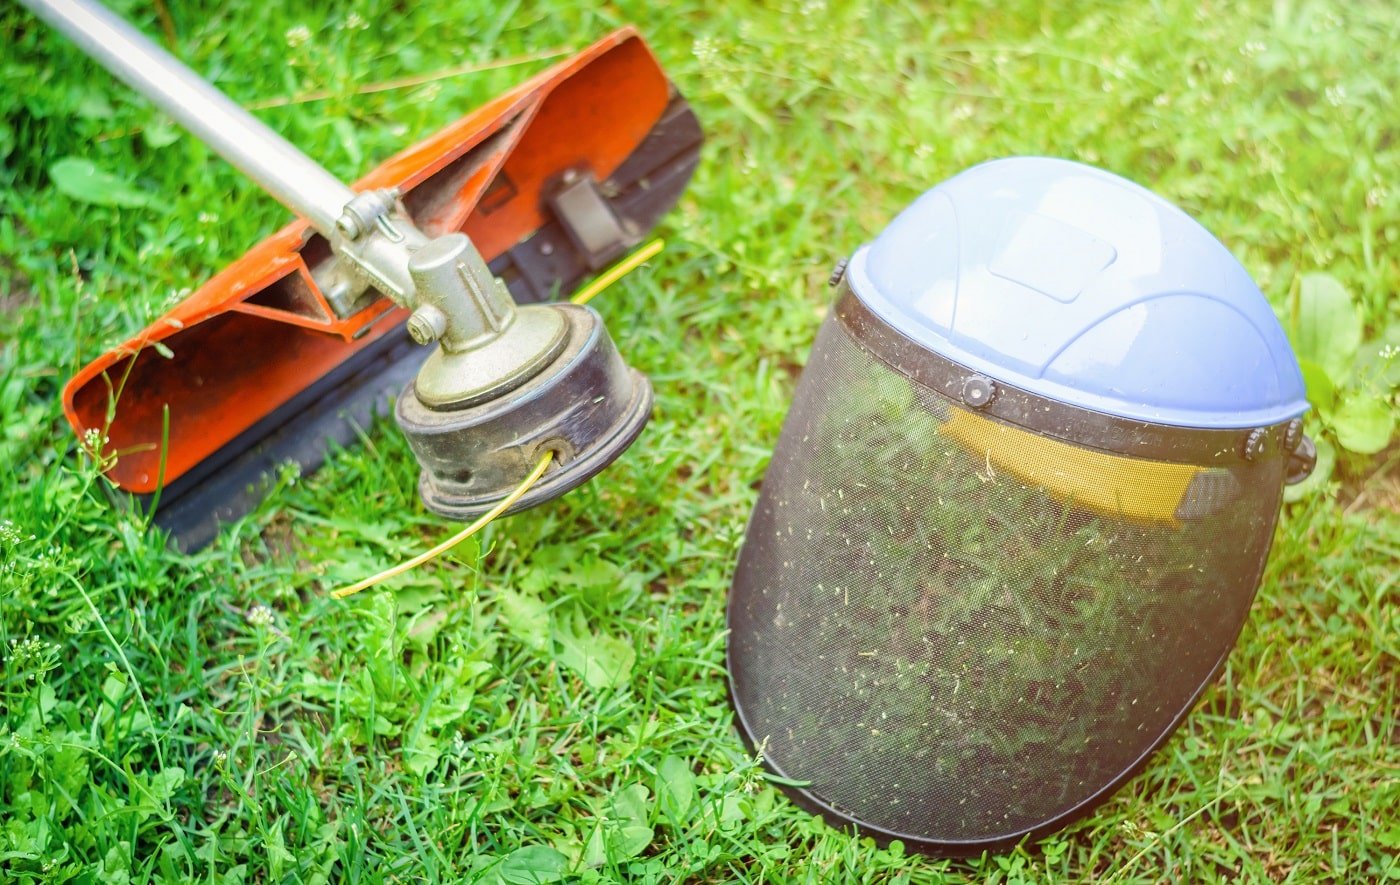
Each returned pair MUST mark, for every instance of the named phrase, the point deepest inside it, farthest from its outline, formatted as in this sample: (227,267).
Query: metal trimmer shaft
(504,385)
(468,310)
(286,173)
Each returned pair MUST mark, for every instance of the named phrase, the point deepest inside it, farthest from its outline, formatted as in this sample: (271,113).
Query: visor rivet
(978,391)
(1254,443)
(837,273)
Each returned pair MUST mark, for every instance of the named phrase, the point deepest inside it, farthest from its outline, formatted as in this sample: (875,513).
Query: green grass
(218,717)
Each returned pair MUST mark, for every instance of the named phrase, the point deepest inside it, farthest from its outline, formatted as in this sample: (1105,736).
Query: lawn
(218,717)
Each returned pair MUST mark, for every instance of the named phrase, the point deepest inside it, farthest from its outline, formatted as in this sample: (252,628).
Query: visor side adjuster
(1256,443)
(1301,460)
(978,391)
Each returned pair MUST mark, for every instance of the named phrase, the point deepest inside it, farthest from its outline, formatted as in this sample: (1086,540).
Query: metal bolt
(1254,443)
(427,324)
(348,225)
(837,272)
(978,391)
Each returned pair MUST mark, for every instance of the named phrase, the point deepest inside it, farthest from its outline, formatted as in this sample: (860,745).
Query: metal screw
(978,391)
(837,272)
(1254,443)
(427,324)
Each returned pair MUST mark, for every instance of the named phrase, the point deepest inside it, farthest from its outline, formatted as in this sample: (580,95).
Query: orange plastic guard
(261,331)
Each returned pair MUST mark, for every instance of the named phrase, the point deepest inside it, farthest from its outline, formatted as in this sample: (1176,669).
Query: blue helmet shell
(1080,286)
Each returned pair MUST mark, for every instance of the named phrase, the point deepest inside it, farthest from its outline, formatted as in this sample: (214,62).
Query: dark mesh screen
(947,649)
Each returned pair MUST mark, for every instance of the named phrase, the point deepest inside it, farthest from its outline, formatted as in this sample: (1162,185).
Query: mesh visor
(956,631)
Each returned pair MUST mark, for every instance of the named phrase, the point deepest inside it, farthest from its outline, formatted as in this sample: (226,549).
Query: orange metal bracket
(261,330)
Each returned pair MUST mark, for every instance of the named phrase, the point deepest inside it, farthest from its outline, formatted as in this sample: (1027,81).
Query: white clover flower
(31,657)
(1252,48)
(706,51)
(1327,21)
(1376,195)
(297,36)
(1335,94)
(259,616)
(289,474)
(355,22)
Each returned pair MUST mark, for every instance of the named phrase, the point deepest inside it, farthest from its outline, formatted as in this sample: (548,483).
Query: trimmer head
(272,360)
(586,407)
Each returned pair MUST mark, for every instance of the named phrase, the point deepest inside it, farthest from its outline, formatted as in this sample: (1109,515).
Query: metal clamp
(600,236)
